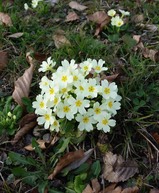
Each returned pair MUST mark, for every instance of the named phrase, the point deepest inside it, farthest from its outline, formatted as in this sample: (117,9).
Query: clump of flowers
(75,92)
(34,4)
(116,19)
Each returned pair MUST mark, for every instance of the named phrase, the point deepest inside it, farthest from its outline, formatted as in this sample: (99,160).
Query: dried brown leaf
(134,189)
(24,130)
(88,189)
(5,19)
(98,17)
(16,35)
(60,39)
(40,56)
(27,119)
(66,160)
(117,190)
(116,169)
(137,38)
(77,6)
(72,16)
(109,78)
(109,188)
(149,53)
(95,185)
(42,145)
(79,162)
(139,18)
(3,60)
(22,85)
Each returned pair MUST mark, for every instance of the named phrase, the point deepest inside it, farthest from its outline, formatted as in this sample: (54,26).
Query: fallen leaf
(109,78)
(77,6)
(116,169)
(155,136)
(3,59)
(16,35)
(22,85)
(42,145)
(24,130)
(134,189)
(5,19)
(72,16)
(88,189)
(117,190)
(66,160)
(149,53)
(139,18)
(137,38)
(40,56)
(60,40)
(109,188)
(79,162)
(154,191)
(95,185)
(30,117)
(101,18)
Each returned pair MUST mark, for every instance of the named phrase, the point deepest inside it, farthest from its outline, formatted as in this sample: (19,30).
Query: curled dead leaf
(60,39)
(3,59)
(27,119)
(109,188)
(137,38)
(149,53)
(22,85)
(72,16)
(42,145)
(77,6)
(98,17)
(139,18)
(109,78)
(66,160)
(5,19)
(116,169)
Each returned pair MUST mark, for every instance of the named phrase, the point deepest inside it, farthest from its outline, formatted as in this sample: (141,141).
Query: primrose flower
(55,126)
(47,65)
(92,88)
(98,66)
(97,110)
(124,13)
(65,110)
(86,66)
(105,123)
(117,21)
(112,106)
(85,122)
(111,12)
(35,3)
(40,104)
(51,91)
(45,82)
(46,118)
(68,66)
(78,104)
(109,90)
(26,7)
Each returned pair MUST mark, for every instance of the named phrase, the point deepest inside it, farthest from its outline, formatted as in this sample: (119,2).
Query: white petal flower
(46,118)
(111,12)
(68,66)
(78,104)
(97,110)
(44,84)
(26,7)
(65,110)
(55,126)
(85,122)
(51,91)
(40,104)
(92,88)
(105,123)
(124,13)
(86,66)
(112,106)
(47,65)
(116,21)
(98,66)
(81,88)
(108,90)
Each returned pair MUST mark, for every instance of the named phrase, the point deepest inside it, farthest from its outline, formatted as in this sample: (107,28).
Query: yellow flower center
(81,88)
(55,123)
(63,90)
(42,104)
(85,68)
(91,89)
(66,109)
(97,110)
(85,119)
(45,83)
(56,100)
(110,104)
(78,103)
(52,91)
(75,78)
(64,78)
(107,90)
(104,121)
(97,68)
(47,117)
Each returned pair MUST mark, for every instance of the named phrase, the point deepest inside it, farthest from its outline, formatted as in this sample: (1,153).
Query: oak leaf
(116,169)
(77,6)
(66,160)
(5,19)
(22,85)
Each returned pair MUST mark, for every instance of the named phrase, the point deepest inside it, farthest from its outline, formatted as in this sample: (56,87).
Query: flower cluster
(75,92)
(34,4)
(116,20)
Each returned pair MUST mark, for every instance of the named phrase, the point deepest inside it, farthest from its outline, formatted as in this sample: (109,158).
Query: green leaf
(79,184)
(83,168)
(42,186)
(7,107)
(96,168)
(18,110)
(15,157)
(27,102)
(19,172)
